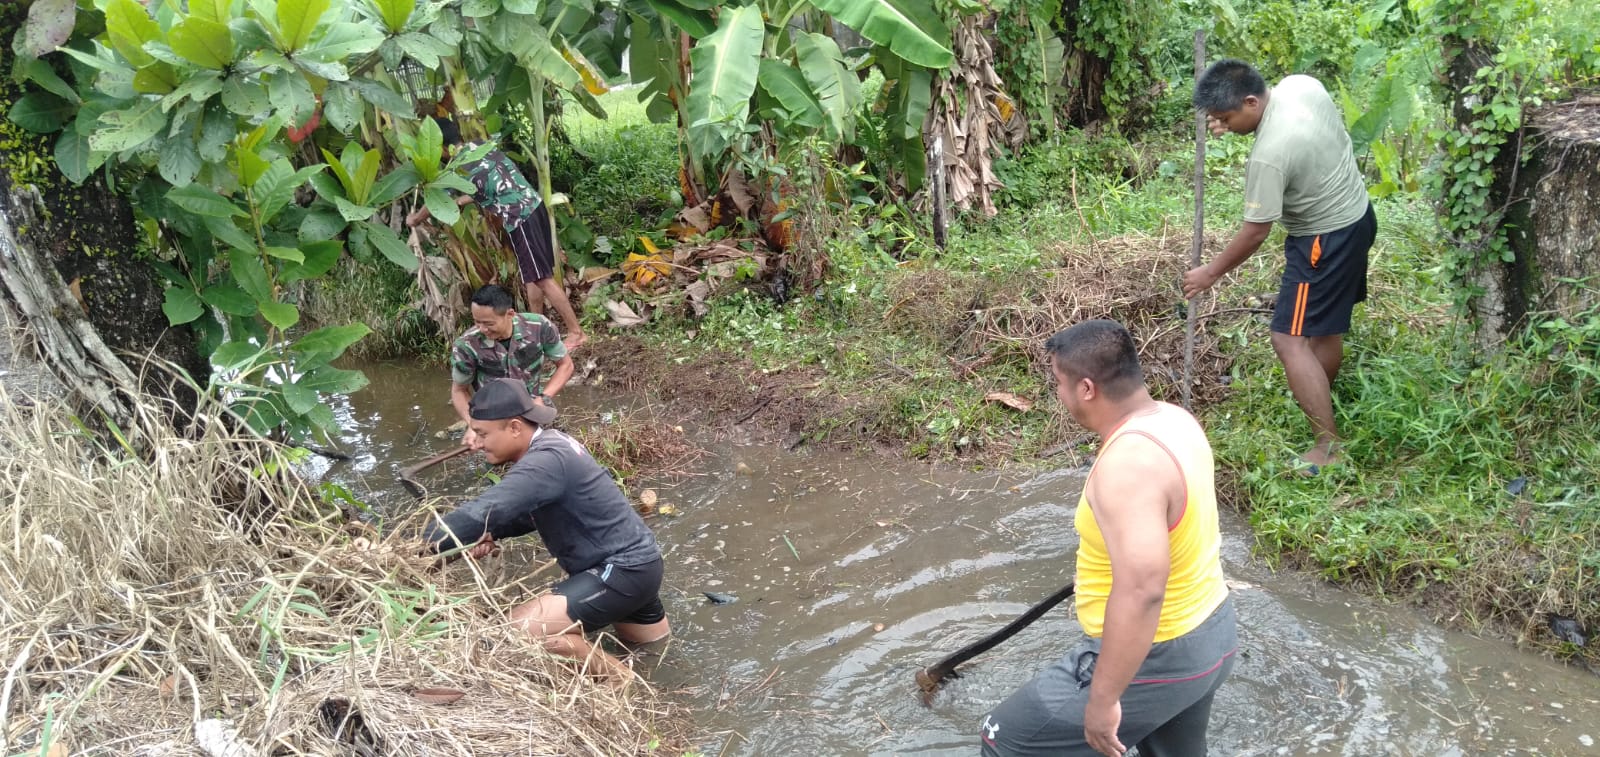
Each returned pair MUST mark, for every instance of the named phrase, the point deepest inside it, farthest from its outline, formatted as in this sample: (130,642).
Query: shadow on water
(853,571)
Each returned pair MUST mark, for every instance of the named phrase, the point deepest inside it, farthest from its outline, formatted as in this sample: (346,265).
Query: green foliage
(911,29)
(1474,475)
(725,64)
(797,84)
(1030,58)
(203,111)
(1525,61)
(622,172)
(1116,31)
(1283,37)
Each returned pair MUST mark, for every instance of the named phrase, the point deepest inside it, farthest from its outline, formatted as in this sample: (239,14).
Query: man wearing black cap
(554,486)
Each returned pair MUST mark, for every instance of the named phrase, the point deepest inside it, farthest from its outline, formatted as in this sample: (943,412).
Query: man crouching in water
(554,486)
(1162,634)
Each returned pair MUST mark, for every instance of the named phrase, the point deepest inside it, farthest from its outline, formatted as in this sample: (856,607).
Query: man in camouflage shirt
(504,344)
(507,196)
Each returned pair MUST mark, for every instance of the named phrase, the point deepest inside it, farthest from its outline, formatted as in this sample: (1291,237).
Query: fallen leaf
(698,293)
(1009,400)
(643,270)
(169,685)
(667,510)
(739,190)
(697,218)
(622,315)
(593,273)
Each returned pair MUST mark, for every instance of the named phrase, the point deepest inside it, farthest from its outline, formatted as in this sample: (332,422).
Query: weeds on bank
(381,295)
(1467,479)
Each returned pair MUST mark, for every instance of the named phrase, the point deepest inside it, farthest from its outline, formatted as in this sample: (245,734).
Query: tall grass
(199,590)
(1468,479)
(622,170)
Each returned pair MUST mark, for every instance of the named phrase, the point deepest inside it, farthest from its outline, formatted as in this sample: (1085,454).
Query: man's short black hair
(1225,84)
(449,130)
(493,296)
(1101,351)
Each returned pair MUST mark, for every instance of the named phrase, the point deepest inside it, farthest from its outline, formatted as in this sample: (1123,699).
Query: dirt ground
(984,327)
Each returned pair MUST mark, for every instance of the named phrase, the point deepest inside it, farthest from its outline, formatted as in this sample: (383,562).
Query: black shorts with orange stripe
(1324,276)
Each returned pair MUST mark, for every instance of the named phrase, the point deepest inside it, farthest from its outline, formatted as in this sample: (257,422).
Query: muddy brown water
(851,572)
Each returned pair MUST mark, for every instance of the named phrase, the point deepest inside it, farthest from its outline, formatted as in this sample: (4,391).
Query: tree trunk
(1552,225)
(1088,74)
(1502,308)
(71,268)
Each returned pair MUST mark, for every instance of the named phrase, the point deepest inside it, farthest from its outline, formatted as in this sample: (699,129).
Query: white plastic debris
(218,738)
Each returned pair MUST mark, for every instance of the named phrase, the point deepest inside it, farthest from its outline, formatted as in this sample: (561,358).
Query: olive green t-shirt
(1302,171)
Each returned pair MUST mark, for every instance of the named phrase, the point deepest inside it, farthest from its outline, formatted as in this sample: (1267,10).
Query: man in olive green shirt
(1301,173)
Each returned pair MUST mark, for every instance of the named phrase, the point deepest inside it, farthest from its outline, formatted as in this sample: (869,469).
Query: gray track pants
(1164,711)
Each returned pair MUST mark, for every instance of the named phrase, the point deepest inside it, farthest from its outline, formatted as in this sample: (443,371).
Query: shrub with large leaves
(265,139)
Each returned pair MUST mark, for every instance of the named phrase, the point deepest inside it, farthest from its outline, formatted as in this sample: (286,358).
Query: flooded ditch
(851,572)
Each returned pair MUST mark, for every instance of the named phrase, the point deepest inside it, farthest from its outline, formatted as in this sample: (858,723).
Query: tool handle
(415,468)
(989,642)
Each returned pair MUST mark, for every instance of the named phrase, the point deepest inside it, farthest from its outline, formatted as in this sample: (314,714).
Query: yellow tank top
(1195,585)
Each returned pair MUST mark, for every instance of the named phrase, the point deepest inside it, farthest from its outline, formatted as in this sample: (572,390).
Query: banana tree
(531,48)
(743,75)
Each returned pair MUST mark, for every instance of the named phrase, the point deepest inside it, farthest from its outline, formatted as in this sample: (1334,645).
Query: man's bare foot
(1315,459)
(575,340)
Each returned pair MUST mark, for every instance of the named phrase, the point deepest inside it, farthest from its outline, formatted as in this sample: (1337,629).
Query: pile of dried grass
(136,614)
(1133,279)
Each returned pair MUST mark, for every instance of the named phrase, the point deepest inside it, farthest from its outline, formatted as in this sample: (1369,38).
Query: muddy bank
(951,367)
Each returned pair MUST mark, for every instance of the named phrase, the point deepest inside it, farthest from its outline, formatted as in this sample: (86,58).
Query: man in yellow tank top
(1162,635)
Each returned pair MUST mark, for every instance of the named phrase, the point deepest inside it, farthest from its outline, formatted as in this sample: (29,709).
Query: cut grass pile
(196,592)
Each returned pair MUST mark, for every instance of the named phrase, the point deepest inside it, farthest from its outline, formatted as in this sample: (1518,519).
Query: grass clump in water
(199,592)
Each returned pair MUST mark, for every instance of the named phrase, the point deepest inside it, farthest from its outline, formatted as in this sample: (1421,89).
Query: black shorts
(609,593)
(530,241)
(1324,276)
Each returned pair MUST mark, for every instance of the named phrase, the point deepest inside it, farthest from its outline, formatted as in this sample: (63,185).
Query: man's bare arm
(563,373)
(1245,242)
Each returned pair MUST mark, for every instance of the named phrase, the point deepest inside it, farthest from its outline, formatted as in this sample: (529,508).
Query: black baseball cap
(505,398)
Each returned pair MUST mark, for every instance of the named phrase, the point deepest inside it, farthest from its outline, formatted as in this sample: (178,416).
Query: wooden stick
(407,473)
(1198,242)
(929,678)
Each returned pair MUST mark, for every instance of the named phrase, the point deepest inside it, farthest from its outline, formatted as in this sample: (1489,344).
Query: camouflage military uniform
(502,188)
(534,339)
(505,192)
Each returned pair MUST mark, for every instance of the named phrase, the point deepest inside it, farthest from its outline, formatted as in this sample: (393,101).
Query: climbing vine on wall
(1499,65)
